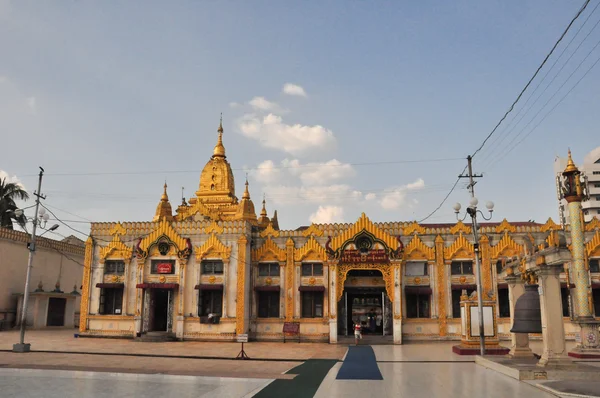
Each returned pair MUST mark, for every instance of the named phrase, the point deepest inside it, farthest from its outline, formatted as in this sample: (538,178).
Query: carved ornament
(592,247)
(363,223)
(507,247)
(269,251)
(460,246)
(311,250)
(214,227)
(312,230)
(385,269)
(213,247)
(461,228)
(505,226)
(118,229)
(593,225)
(164,233)
(269,231)
(413,228)
(116,249)
(550,226)
(416,249)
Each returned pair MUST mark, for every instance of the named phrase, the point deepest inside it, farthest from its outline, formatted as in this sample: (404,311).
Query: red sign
(356,256)
(164,268)
(291,327)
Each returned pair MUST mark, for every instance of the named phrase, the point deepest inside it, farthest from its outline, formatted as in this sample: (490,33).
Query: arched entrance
(363,298)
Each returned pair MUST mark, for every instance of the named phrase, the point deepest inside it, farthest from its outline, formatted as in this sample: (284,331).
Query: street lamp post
(40,217)
(472,211)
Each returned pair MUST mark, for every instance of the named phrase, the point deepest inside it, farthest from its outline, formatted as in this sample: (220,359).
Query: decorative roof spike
(263,212)
(570,165)
(219,150)
(275,221)
(164,197)
(246,194)
(163,210)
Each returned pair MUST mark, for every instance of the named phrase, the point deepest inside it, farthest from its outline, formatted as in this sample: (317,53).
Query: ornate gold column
(85,291)
(240,318)
(486,269)
(289,280)
(440,288)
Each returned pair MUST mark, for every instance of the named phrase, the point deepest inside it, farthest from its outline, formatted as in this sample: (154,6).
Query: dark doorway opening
(160,310)
(56,311)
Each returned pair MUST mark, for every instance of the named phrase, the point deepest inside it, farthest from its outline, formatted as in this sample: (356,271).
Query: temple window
(596,297)
(268,304)
(210,302)
(268,269)
(456,293)
(503,302)
(114,267)
(312,269)
(417,303)
(212,267)
(415,268)
(594,265)
(162,267)
(499,267)
(461,268)
(111,301)
(312,304)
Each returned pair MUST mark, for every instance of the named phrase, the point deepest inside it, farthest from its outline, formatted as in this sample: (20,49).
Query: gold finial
(246,194)
(570,165)
(164,196)
(263,212)
(219,150)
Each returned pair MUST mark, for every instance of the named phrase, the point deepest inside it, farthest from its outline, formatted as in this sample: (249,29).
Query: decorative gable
(116,249)
(213,247)
(312,250)
(461,248)
(507,247)
(461,228)
(164,233)
(363,223)
(416,249)
(593,225)
(505,226)
(592,247)
(413,228)
(550,226)
(269,231)
(269,251)
(312,230)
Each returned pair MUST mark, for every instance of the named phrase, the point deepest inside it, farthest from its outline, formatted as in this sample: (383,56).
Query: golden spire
(219,150)
(164,210)
(570,165)
(246,194)
(263,212)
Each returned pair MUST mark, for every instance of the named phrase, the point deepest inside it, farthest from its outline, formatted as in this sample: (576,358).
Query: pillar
(397,306)
(580,273)
(553,332)
(333,335)
(519,341)
(243,271)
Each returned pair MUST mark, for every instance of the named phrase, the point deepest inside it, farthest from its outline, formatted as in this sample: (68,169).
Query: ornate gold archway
(386,269)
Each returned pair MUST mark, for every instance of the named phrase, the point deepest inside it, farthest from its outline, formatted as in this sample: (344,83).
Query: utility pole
(473,213)
(21,346)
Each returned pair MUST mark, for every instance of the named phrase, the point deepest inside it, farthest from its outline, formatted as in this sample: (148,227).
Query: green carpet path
(310,375)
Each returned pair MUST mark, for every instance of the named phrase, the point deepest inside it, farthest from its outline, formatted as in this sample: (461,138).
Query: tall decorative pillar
(86,291)
(520,341)
(290,269)
(397,304)
(333,300)
(553,332)
(241,310)
(440,285)
(574,192)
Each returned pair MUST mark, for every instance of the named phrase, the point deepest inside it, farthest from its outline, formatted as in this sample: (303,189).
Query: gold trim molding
(593,225)
(363,223)
(116,249)
(460,245)
(415,247)
(269,231)
(505,226)
(506,247)
(460,227)
(386,270)
(269,251)
(213,247)
(164,230)
(312,230)
(85,291)
(550,225)
(413,228)
(311,250)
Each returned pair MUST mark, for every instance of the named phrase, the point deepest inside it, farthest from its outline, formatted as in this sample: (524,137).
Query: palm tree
(9,191)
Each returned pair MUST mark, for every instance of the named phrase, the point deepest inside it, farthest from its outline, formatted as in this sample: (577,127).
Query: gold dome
(163,210)
(571,168)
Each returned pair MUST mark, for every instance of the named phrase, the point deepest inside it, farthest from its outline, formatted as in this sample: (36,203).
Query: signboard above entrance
(358,256)
(164,268)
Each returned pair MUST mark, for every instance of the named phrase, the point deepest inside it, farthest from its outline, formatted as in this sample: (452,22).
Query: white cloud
(294,89)
(9,179)
(31,103)
(295,139)
(395,198)
(289,194)
(234,105)
(267,172)
(370,196)
(3,79)
(323,173)
(262,104)
(592,156)
(327,214)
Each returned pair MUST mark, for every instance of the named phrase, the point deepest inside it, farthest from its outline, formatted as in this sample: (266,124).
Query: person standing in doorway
(357,333)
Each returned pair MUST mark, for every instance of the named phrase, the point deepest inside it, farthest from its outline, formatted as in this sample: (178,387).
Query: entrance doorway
(365,302)
(56,311)
(159,309)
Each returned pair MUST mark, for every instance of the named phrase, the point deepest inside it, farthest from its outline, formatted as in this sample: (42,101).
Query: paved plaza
(63,366)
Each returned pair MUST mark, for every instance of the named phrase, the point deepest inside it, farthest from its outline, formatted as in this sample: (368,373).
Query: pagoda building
(213,270)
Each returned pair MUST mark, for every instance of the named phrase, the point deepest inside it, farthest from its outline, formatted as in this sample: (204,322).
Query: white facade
(591,169)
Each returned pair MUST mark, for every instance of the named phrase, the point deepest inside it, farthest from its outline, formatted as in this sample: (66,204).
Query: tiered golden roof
(163,210)
(571,168)
(246,208)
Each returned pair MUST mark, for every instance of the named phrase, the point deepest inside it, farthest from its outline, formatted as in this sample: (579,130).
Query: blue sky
(94,87)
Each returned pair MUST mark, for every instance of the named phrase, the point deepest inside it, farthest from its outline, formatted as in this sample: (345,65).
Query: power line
(445,198)
(533,77)
(307,166)
(499,139)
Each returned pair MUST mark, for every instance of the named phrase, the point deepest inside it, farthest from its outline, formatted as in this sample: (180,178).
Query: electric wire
(498,139)
(445,198)
(532,78)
